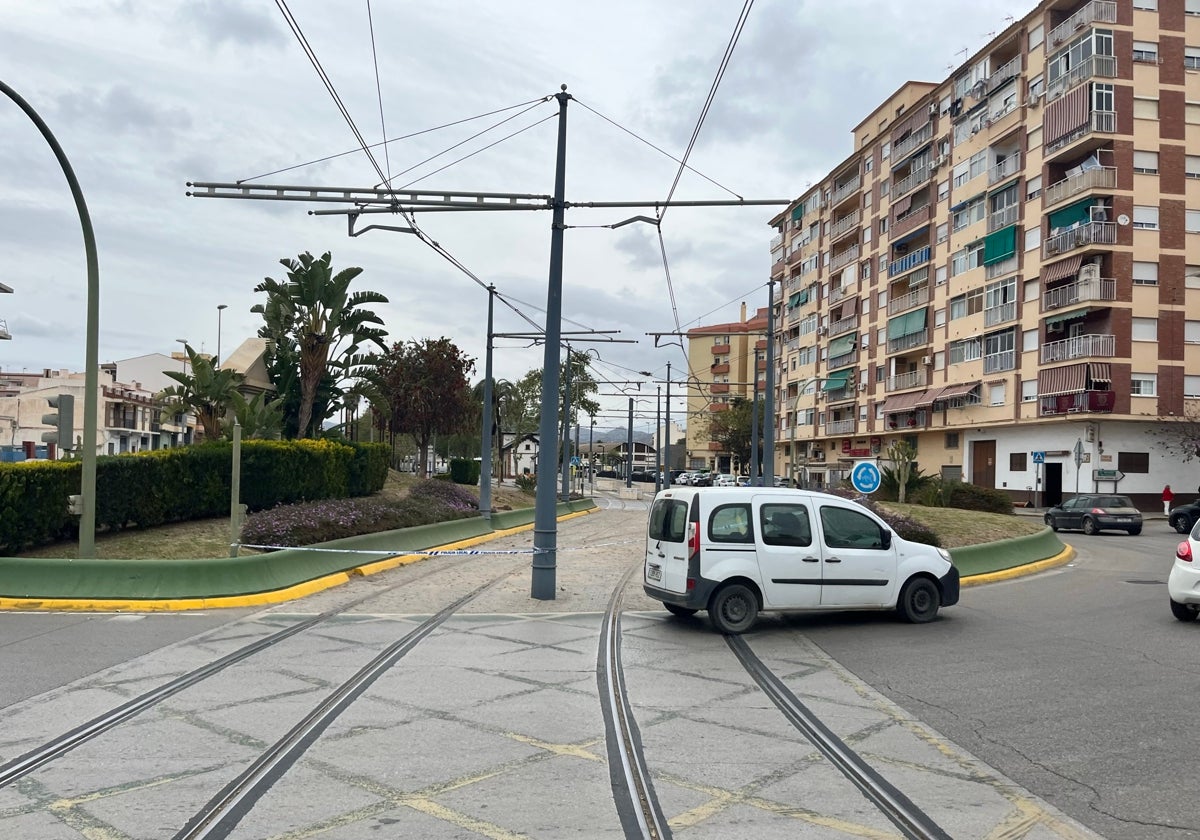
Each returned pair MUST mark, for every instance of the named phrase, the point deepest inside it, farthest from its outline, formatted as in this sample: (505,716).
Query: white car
(1183,584)
(724,480)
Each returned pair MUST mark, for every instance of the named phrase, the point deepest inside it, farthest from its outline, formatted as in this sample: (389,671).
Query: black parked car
(1182,518)
(1094,513)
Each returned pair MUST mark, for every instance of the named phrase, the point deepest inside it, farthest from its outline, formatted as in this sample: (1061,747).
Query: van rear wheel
(919,601)
(675,609)
(733,608)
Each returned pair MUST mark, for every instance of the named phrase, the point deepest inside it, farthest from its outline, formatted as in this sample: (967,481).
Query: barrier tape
(396,552)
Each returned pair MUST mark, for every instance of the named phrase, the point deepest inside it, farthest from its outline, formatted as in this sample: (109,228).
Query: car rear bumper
(694,599)
(1183,584)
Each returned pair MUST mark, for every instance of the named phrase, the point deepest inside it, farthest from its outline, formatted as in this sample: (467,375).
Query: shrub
(464,471)
(889,485)
(451,495)
(527,482)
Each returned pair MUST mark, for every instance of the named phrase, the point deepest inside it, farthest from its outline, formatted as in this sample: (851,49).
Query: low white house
(520,455)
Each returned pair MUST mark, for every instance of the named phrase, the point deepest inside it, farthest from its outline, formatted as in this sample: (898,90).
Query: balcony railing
(913,141)
(840,292)
(1093,67)
(4,333)
(1005,168)
(1080,292)
(847,358)
(907,342)
(998,269)
(1101,122)
(844,325)
(999,314)
(1102,177)
(844,258)
(912,379)
(841,427)
(1078,347)
(909,262)
(1006,360)
(917,297)
(846,190)
(1003,218)
(917,177)
(1100,233)
(1003,73)
(910,220)
(1104,11)
(1082,401)
(845,224)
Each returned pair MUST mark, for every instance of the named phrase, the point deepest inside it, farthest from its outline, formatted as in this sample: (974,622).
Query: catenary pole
(667,446)
(564,441)
(545,521)
(485,450)
(755,475)
(769,397)
(629,448)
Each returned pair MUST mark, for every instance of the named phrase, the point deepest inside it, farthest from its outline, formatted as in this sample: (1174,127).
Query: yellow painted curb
(257,599)
(1062,558)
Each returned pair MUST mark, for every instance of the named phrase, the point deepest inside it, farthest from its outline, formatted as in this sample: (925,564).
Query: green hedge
(464,471)
(173,485)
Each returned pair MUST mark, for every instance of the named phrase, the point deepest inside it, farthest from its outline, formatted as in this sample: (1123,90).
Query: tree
(258,417)
(507,406)
(316,328)
(732,428)
(1180,436)
(902,455)
(582,383)
(207,392)
(427,390)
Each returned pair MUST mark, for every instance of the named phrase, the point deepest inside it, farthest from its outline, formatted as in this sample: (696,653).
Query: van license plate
(654,572)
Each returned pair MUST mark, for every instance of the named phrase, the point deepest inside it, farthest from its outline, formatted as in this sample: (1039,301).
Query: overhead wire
(472,154)
(379,91)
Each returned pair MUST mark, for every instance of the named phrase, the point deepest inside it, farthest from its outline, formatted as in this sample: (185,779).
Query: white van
(736,551)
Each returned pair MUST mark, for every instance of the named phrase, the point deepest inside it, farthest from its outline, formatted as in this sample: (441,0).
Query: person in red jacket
(1167,497)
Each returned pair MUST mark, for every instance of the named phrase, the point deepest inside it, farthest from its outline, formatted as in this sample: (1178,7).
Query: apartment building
(725,360)
(1006,270)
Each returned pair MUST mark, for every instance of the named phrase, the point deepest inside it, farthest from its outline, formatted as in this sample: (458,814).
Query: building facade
(1006,270)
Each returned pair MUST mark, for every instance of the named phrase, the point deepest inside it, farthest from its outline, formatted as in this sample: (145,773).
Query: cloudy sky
(146,96)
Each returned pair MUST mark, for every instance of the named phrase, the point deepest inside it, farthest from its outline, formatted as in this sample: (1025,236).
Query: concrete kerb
(253,580)
(1011,558)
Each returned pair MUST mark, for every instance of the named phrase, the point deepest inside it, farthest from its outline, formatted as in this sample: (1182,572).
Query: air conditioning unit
(822,330)
(862,386)
(1099,213)
(925,360)
(933,109)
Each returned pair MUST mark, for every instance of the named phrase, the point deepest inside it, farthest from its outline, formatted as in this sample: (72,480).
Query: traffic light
(63,420)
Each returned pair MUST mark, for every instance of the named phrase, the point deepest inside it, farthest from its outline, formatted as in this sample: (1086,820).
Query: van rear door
(667,544)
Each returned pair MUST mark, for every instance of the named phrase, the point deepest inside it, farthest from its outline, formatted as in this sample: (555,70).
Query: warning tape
(393,552)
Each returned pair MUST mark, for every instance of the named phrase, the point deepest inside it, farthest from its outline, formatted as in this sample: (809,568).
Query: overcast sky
(145,96)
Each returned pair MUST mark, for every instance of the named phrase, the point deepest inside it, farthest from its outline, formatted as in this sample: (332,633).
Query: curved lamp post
(91,377)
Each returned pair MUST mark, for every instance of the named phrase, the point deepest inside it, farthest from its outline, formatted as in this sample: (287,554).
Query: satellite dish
(1122,220)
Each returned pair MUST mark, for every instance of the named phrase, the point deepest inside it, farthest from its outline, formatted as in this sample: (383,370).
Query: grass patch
(957,528)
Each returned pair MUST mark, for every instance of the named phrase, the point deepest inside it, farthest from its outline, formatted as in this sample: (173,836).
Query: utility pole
(667,434)
(565,437)
(485,451)
(658,438)
(629,448)
(754,473)
(769,397)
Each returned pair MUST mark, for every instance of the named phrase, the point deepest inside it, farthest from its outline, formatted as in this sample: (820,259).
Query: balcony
(915,179)
(1003,218)
(1100,177)
(1073,403)
(1101,11)
(1093,67)
(910,219)
(909,262)
(844,225)
(996,362)
(841,427)
(843,325)
(1098,233)
(999,314)
(1079,347)
(913,379)
(847,358)
(718,407)
(908,342)
(846,190)
(1005,72)
(844,258)
(720,387)
(1100,122)
(913,141)
(1006,168)
(720,349)
(1080,292)
(917,297)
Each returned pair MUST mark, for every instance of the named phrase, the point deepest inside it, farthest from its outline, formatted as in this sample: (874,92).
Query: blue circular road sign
(865,477)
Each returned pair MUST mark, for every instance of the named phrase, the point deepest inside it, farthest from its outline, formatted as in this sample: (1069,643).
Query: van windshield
(668,520)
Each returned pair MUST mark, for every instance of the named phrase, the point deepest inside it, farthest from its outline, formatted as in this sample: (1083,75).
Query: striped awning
(1065,114)
(1101,372)
(950,392)
(907,402)
(1069,379)
(901,206)
(849,307)
(1063,268)
(917,120)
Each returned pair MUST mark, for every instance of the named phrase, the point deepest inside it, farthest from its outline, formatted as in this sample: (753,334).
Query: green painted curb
(1006,554)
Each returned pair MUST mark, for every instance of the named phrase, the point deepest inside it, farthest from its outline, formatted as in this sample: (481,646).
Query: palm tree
(258,416)
(314,315)
(505,395)
(207,392)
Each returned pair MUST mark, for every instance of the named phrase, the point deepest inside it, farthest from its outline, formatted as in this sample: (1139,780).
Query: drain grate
(1158,582)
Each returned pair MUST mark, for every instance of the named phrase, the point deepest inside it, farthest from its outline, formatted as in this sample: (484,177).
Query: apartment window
(807,355)
(1133,462)
(865,270)
(939,318)
(943,232)
(999,351)
(996,394)
(944,190)
(869,233)
(1191,276)
(1029,341)
(1144,329)
(967,350)
(1033,187)
(1145,109)
(1191,7)
(881,299)
(1191,386)
(883,226)
(1191,332)
(1191,58)
(885,151)
(885,187)
(1028,394)
(1145,273)
(952,440)
(1037,86)
(1033,238)
(1191,113)
(1033,290)
(1192,163)
(1035,137)
(1038,34)
(1145,218)
(1146,5)
(1016,461)
(967,258)
(939,275)
(1145,51)
(883,264)
(1145,163)
(961,173)
(1192,221)
(1143,385)
(970,214)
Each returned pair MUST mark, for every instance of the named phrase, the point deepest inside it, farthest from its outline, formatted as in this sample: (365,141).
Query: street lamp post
(220,308)
(184,342)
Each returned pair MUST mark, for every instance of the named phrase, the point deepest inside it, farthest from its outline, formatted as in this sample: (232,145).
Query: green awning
(1000,245)
(838,380)
(841,346)
(797,212)
(1066,316)
(906,324)
(1073,214)
(803,296)
(794,300)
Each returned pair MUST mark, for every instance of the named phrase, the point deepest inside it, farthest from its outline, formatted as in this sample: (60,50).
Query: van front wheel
(919,601)
(733,609)
(675,609)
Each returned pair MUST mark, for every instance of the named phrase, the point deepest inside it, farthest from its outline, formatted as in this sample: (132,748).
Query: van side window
(731,524)
(846,528)
(668,520)
(785,525)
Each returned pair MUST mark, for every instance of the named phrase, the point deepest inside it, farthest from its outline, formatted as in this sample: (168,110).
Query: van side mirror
(886,539)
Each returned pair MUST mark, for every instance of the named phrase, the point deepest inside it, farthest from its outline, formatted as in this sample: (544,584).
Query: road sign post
(1039,458)
(865,477)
